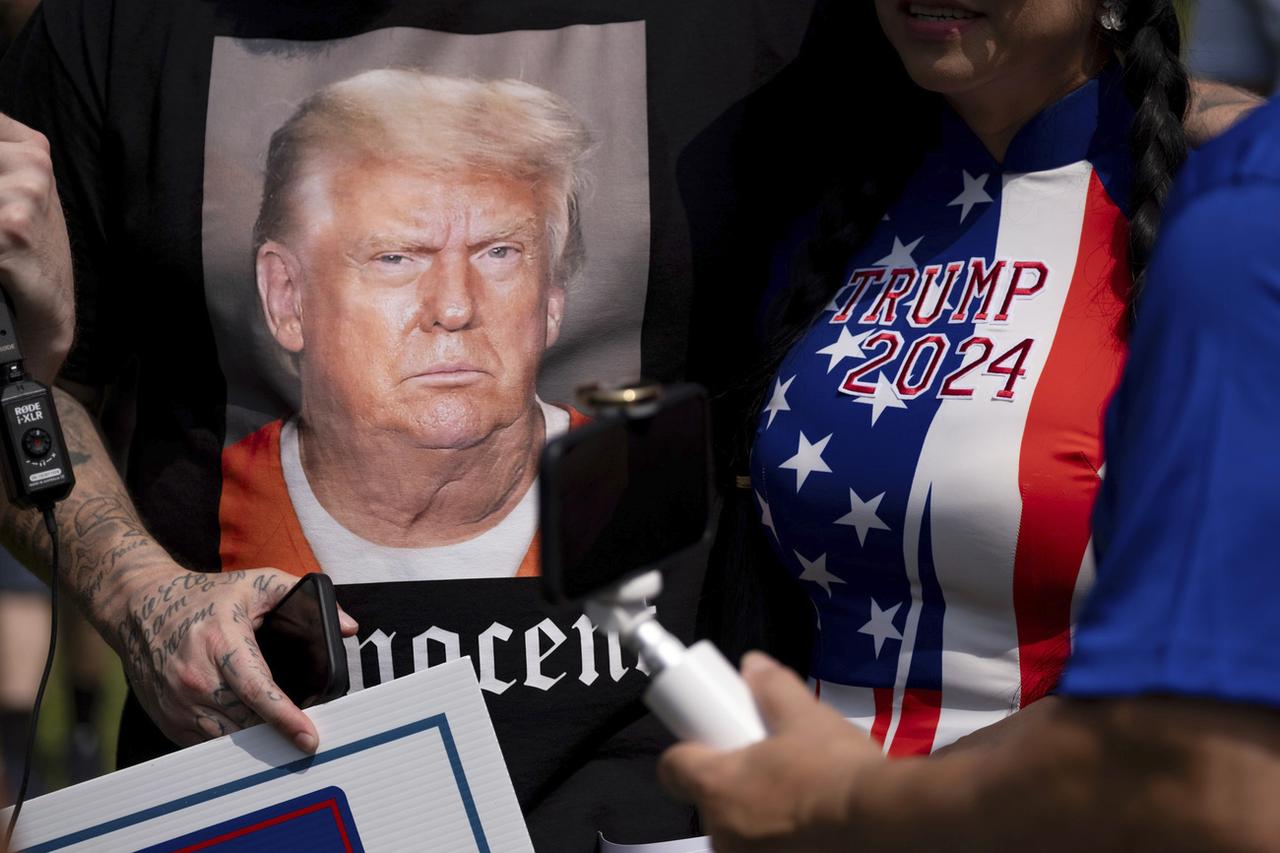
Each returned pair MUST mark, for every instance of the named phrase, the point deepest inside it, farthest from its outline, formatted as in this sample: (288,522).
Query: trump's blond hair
(505,128)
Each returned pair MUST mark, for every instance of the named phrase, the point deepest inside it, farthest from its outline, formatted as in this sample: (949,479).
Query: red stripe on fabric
(918,723)
(1062,444)
(884,712)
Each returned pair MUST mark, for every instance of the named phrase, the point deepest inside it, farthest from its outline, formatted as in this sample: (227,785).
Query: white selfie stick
(694,691)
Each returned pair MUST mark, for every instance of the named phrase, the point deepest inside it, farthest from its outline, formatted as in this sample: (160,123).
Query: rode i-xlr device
(37,470)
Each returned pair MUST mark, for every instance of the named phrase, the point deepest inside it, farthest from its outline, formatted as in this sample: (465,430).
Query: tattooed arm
(1215,107)
(185,638)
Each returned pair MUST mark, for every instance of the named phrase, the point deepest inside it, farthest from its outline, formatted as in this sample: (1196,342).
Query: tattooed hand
(185,638)
(186,641)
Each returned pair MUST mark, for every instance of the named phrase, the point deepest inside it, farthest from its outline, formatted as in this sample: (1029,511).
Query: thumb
(348,625)
(785,702)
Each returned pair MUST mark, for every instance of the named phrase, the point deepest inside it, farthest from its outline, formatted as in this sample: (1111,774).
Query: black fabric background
(121,89)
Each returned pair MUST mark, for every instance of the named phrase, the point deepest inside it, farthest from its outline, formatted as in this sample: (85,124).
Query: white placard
(409,765)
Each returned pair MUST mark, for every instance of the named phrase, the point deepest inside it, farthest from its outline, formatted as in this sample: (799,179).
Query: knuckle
(40,160)
(35,189)
(189,678)
(16,220)
(251,692)
(39,141)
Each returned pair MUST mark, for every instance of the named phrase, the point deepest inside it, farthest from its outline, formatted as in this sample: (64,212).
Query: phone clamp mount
(693,690)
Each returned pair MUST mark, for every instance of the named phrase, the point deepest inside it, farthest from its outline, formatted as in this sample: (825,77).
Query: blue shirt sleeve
(1187,599)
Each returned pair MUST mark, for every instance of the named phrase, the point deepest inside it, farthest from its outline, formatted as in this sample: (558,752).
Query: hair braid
(1156,83)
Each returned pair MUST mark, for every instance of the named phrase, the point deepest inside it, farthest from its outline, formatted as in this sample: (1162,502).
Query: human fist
(35,256)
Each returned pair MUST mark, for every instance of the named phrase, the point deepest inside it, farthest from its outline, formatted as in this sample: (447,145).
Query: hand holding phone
(301,643)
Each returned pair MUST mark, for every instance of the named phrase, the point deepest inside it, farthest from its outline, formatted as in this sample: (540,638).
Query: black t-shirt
(710,137)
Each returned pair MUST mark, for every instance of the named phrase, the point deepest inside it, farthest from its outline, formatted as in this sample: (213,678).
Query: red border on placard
(331,804)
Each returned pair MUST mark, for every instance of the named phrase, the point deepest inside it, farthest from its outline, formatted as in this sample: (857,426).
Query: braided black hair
(1155,81)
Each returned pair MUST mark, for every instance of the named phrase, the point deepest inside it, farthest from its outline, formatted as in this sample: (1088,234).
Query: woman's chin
(949,74)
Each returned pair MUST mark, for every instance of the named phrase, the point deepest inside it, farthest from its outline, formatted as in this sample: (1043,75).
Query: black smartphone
(301,642)
(624,492)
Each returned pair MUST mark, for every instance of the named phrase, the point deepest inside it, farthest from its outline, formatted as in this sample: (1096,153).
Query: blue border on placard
(436,721)
(275,817)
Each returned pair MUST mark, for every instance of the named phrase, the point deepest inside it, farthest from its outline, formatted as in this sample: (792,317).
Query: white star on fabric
(974,193)
(862,516)
(766,517)
(884,398)
(900,256)
(880,626)
(816,571)
(808,459)
(779,401)
(846,346)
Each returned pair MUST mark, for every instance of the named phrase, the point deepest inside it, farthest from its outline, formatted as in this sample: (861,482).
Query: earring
(1111,15)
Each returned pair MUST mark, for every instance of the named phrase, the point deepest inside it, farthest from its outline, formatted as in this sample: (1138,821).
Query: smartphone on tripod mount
(623,493)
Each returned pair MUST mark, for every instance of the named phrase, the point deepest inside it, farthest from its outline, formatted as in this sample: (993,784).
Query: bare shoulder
(1215,107)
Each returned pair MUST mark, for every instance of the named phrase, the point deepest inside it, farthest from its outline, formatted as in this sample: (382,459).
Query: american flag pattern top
(929,454)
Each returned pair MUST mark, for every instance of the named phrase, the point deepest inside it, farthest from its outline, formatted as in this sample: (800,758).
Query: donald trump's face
(419,300)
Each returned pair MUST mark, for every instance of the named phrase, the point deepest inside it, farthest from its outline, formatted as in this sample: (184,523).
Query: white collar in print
(348,558)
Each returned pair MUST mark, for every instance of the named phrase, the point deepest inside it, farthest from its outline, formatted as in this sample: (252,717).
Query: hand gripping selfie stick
(694,691)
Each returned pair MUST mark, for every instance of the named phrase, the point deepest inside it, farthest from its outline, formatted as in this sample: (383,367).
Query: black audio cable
(51,525)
